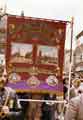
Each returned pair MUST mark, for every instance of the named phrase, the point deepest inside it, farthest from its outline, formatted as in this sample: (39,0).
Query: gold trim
(58,93)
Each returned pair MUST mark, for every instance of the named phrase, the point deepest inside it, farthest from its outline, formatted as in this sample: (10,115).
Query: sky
(50,9)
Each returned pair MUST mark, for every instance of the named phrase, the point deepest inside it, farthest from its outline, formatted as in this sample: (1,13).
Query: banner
(35,54)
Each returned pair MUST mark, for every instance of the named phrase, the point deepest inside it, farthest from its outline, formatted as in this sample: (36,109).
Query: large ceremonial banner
(35,54)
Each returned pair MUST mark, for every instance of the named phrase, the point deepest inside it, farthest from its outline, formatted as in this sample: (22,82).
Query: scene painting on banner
(47,55)
(21,53)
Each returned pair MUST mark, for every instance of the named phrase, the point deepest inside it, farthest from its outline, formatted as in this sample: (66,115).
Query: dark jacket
(9,98)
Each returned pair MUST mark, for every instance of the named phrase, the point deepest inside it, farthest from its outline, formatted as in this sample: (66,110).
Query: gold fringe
(58,93)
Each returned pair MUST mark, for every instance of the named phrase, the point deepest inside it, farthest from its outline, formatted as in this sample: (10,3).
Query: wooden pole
(70,67)
(71,39)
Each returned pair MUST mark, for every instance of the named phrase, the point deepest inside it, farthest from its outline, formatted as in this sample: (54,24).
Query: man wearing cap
(10,108)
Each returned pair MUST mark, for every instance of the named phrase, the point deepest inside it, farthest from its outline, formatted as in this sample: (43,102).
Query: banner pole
(70,67)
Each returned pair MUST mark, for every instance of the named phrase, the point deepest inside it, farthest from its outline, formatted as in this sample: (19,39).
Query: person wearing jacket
(10,108)
(75,109)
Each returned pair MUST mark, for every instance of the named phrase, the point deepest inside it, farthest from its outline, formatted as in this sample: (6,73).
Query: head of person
(76,82)
(66,81)
(2,83)
(51,95)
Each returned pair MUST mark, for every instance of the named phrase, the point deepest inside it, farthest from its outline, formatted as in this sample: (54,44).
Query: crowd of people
(74,109)
(12,109)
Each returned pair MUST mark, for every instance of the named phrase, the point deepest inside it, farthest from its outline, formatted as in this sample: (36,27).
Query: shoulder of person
(10,91)
(72,88)
(76,100)
(81,97)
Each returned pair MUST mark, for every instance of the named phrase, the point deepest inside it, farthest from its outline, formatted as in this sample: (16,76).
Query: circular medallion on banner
(33,81)
(52,80)
(14,77)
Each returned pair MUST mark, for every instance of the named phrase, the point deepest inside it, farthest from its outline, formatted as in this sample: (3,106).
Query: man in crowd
(75,108)
(10,108)
(49,109)
(74,90)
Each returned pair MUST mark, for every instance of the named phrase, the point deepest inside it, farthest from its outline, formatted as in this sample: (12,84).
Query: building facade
(78,57)
(3,27)
(66,61)
(78,61)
